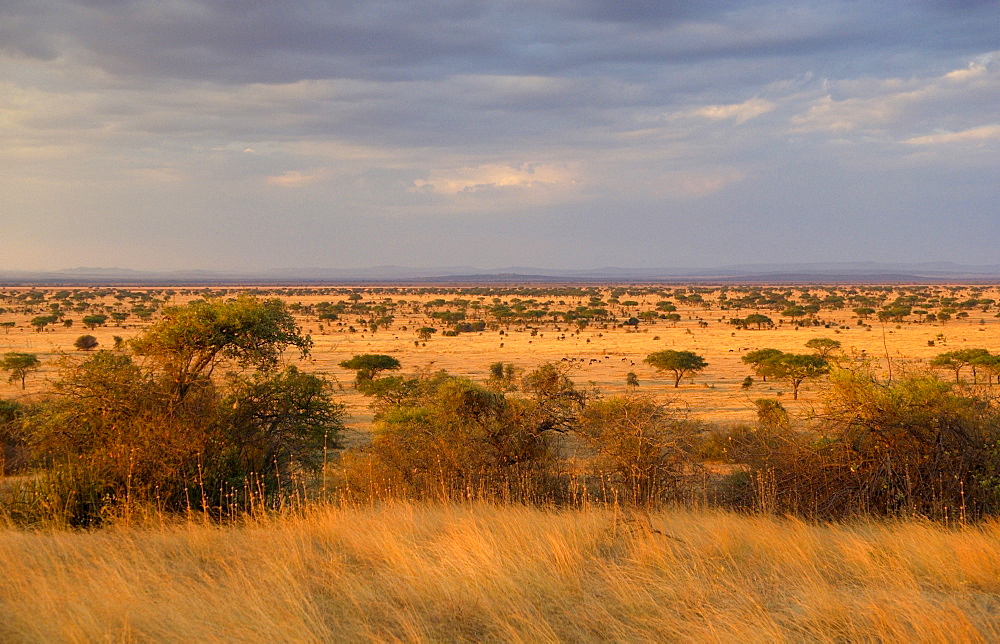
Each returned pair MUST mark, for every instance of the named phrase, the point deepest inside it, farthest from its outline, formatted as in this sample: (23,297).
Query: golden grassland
(419,572)
(599,356)
(406,571)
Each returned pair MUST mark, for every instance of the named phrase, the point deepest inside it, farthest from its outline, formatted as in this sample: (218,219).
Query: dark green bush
(158,429)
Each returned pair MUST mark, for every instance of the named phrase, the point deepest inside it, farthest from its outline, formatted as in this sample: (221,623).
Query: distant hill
(829,272)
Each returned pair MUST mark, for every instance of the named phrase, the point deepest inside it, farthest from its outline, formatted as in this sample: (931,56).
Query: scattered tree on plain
(960,359)
(823,346)
(42,321)
(681,363)
(795,368)
(758,320)
(19,365)
(760,361)
(369,365)
(94,321)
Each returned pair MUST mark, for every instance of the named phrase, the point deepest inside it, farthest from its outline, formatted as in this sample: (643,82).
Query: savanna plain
(525,462)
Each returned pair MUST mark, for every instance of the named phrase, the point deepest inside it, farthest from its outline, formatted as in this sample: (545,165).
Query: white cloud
(740,112)
(973,135)
(491,177)
(846,115)
(880,105)
(294,179)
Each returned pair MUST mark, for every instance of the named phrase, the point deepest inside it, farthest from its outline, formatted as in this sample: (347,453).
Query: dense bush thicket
(916,445)
(157,426)
(912,446)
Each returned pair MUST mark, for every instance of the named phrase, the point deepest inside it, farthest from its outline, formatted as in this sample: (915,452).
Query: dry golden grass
(714,395)
(408,572)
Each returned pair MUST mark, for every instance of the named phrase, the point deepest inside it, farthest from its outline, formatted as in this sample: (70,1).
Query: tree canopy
(760,361)
(823,346)
(19,365)
(798,367)
(149,422)
(190,341)
(792,367)
(681,363)
(368,365)
(85,342)
(959,359)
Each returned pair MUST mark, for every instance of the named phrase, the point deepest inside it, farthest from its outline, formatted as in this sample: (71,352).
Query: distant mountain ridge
(775,272)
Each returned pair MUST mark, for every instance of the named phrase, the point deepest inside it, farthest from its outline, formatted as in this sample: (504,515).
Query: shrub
(912,446)
(164,432)
(449,438)
(85,343)
(643,450)
(13,446)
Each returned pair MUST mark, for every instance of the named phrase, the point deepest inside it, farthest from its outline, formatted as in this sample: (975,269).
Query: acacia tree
(42,321)
(151,424)
(681,363)
(990,364)
(19,365)
(798,367)
(823,346)
(759,320)
(761,361)
(958,360)
(368,365)
(977,358)
(244,333)
(95,320)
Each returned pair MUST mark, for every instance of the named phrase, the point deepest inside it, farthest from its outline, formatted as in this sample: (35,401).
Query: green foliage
(503,377)
(795,311)
(894,313)
(452,439)
(758,320)
(958,360)
(368,365)
(42,321)
(761,360)
(273,419)
(85,343)
(792,367)
(154,428)
(93,321)
(798,367)
(245,333)
(914,445)
(19,365)
(679,362)
(823,346)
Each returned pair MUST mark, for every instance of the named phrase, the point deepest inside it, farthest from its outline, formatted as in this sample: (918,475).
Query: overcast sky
(250,134)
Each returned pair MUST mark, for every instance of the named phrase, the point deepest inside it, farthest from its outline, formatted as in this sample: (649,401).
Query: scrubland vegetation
(209,452)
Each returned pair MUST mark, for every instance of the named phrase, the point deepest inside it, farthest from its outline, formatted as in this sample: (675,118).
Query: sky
(255,134)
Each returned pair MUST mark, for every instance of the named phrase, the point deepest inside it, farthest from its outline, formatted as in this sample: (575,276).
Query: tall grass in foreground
(416,572)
